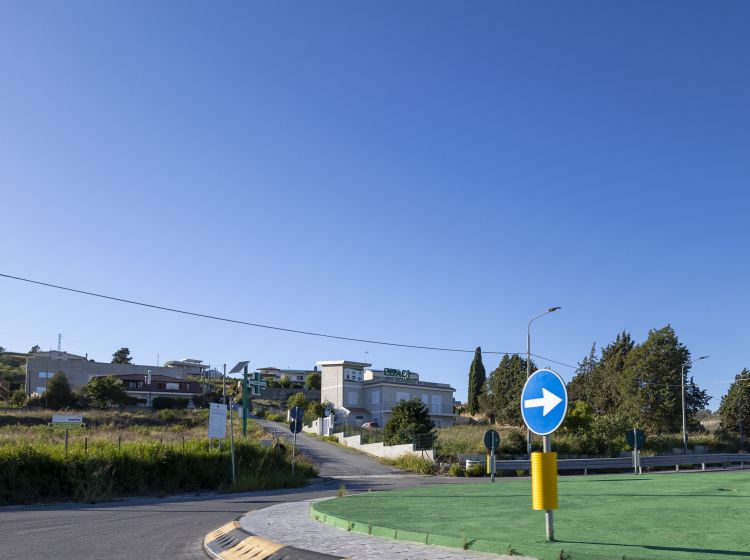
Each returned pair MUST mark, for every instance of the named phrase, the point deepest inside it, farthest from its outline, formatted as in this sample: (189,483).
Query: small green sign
(491,440)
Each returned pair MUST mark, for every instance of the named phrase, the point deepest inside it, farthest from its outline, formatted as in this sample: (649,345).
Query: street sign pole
(294,444)
(548,520)
(544,402)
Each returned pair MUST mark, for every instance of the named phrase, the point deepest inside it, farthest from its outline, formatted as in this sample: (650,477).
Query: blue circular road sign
(544,402)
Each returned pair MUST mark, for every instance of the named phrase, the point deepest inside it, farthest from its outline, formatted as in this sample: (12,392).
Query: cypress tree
(477,377)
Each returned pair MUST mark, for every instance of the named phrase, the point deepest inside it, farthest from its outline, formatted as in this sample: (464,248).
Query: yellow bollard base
(544,481)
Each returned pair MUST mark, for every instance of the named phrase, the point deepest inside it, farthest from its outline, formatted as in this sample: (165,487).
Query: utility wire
(259,325)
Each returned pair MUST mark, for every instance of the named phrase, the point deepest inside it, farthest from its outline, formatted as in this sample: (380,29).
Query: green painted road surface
(678,516)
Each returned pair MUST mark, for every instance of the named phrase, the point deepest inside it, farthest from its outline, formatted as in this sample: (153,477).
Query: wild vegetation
(133,453)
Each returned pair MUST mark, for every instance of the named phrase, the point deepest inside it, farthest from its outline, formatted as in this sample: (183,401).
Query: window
(352,397)
(45,375)
(40,390)
(402,395)
(425,399)
(300,378)
(173,386)
(374,397)
(437,403)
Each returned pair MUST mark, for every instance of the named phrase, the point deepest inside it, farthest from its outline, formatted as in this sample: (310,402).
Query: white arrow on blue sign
(544,402)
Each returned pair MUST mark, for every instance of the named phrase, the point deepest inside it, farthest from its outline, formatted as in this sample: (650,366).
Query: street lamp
(682,381)
(528,367)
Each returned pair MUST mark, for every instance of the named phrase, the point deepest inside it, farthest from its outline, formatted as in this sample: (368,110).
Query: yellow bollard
(544,481)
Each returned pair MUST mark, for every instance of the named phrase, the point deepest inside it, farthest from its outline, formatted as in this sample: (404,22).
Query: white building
(368,395)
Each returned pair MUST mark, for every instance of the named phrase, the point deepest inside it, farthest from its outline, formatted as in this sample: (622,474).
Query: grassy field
(133,453)
(680,516)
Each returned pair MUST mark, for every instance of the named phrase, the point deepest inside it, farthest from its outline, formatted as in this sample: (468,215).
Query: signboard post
(636,439)
(217,421)
(295,426)
(491,442)
(544,402)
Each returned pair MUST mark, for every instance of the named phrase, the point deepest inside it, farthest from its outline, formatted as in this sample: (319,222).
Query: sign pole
(294,444)
(548,521)
(492,462)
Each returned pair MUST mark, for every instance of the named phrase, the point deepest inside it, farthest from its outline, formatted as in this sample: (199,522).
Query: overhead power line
(260,325)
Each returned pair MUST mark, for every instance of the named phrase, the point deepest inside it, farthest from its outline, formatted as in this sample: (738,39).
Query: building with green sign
(364,394)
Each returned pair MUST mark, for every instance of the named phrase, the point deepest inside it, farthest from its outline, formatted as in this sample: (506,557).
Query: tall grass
(123,454)
(43,472)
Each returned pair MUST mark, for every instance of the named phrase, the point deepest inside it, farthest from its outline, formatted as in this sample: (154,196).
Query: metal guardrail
(626,463)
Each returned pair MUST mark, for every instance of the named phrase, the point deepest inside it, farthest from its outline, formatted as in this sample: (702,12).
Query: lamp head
(551,309)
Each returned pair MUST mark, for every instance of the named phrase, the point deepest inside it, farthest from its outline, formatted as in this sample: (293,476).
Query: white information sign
(66,419)
(217,421)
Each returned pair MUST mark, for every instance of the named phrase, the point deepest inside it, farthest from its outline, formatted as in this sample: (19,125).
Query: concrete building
(41,366)
(147,387)
(368,395)
(189,365)
(298,376)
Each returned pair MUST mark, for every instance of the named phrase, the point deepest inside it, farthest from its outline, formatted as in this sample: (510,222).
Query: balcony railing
(386,406)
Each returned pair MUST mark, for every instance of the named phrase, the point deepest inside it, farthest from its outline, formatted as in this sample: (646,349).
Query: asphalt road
(153,528)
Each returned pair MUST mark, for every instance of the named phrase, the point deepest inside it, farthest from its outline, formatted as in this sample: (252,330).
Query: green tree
(736,404)
(122,356)
(59,394)
(407,418)
(285,382)
(501,398)
(313,381)
(35,349)
(581,387)
(297,399)
(2,350)
(477,378)
(104,391)
(650,385)
(313,411)
(598,382)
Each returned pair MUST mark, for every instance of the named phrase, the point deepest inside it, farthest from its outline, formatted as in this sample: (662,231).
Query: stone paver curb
(232,542)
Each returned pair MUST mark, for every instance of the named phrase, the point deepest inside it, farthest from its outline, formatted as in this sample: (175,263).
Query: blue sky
(431,173)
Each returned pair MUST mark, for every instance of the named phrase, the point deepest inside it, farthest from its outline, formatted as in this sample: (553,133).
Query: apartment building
(365,394)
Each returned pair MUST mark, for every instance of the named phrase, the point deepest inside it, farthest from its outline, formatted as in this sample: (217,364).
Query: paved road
(172,528)
(333,460)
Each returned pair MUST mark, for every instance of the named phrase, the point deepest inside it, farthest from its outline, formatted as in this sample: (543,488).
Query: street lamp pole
(528,367)
(684,420)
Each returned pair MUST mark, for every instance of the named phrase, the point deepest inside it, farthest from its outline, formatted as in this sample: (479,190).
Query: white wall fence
(320,427)
(324,427)
(381,449)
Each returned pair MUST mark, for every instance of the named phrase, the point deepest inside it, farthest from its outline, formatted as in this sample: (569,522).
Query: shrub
(413,463)
(456,470)
(476,470)
(407,418)
(275,417)
(297,399)
(513,442)
(161,403)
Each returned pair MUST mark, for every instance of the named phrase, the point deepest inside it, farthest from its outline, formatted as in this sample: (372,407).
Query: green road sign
(635,438)
(491,440)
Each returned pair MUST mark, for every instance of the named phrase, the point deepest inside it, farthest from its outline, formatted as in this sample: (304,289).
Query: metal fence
(626,463)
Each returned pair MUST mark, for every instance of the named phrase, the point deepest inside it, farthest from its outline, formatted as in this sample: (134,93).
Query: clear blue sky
(431,173)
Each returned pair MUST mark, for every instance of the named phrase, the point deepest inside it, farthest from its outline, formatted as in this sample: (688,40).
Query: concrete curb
(231,542)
